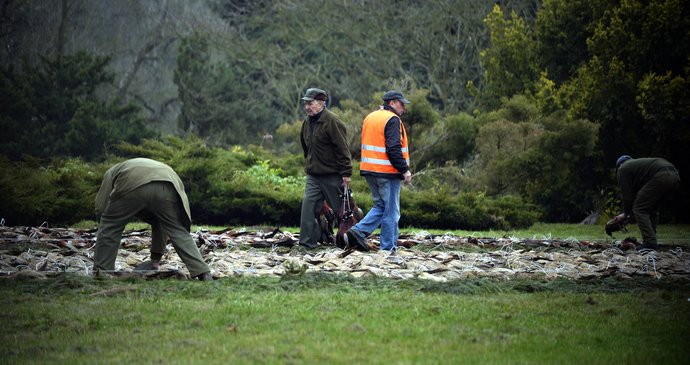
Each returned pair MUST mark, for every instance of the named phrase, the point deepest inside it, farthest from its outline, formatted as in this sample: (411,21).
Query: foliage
(259,195)
(509,64)
(563,88)
(442,207)
(204,170)
(219,102)
(546,160)
(505,134)
(451,140)
(62,192)
(287,137)
(53,110)
(622,65)
(638,66)
(664,102)
(241,185)
(562,29)
(283,48)
(556,173)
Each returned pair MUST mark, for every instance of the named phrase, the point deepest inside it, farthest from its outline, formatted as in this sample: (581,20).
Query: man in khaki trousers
(645,183)
(152,191)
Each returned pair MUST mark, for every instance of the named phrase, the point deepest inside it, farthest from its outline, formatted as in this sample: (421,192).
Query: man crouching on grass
(152,191)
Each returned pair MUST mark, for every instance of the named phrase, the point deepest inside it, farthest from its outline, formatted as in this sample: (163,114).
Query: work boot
(150,265)
(356,242)
(205,276)
(648,246)
(308,245)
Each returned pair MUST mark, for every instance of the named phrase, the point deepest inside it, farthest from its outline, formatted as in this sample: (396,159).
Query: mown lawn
(331,319)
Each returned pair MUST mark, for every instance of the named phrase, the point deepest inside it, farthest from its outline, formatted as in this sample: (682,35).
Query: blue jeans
(385,213)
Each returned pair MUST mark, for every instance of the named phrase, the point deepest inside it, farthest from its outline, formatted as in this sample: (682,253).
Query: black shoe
(308,246)
(148,266)
(648,246)
(205,276)
(356,242)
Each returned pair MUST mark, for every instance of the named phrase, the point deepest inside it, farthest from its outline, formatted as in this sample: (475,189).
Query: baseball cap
(622,159)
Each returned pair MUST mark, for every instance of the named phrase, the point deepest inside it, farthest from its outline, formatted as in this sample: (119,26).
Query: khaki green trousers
(648,199)
(318,188)
(159,203)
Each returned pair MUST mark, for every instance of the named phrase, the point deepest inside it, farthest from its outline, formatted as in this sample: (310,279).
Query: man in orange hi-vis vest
(385,164)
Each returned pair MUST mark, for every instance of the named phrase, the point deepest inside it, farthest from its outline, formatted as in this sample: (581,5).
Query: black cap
(395,95)
(314,94)
(622,159)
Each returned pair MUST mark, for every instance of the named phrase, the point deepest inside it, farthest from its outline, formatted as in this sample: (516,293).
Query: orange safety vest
(374,157)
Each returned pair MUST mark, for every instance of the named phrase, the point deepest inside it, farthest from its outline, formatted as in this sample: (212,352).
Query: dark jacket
(325,148)
(634,174)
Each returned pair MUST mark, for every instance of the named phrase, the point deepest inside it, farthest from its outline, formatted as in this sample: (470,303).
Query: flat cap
(395,95)
(314,94)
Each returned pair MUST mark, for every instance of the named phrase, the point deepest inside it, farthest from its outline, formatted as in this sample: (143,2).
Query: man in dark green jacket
(328,164)
(152,191)
(644,184)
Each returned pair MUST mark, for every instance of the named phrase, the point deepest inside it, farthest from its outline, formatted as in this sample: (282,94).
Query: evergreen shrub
(443,209)
(62,192)
(260,195)
(236,186)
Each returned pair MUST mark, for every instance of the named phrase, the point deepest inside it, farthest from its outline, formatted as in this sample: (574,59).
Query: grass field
(676,234)
(336,319)
(321,319)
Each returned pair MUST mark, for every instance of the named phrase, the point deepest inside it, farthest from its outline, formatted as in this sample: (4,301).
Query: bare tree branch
(155,40)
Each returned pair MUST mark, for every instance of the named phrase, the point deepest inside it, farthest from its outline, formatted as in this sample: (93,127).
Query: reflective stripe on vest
(374,157)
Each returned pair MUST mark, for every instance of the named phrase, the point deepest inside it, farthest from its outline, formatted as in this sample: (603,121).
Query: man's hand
(407,177)
(346,180)
(617,223)
(620,218)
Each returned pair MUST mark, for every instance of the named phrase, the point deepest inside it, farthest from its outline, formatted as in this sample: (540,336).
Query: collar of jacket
(390,109)
(316,117)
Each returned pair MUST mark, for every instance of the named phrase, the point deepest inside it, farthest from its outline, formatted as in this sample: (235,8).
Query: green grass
(668,233)
(671,234)
(331,319)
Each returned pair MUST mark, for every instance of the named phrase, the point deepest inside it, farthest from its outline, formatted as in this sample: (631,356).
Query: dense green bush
(237,186)
(260,195)
(441,208)
(205,171)
(62,192)
(240,185)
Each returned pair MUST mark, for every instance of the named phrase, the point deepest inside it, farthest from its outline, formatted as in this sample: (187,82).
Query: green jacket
(326,150)
(634,174)
(131,174)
